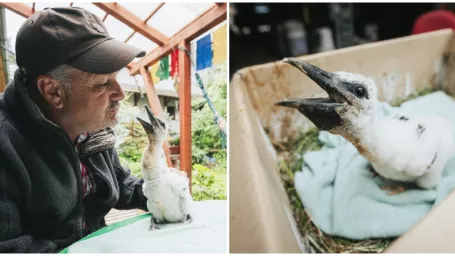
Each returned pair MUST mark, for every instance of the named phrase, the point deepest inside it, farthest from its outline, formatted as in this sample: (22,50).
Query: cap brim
(107,57)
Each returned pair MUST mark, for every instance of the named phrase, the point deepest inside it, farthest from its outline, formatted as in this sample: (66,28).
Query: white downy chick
(410,149)
(168,193)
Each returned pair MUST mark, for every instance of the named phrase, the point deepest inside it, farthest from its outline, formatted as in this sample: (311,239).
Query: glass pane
(91,8)
(117,29)
(142,42)
(41,5)
(13,24)
(142,10)
(169,27)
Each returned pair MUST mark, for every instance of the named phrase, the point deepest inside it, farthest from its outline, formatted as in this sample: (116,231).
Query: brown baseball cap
(72,36)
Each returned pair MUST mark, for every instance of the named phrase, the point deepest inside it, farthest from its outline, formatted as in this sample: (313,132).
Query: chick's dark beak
(320,111)
(154,122)
(321,77)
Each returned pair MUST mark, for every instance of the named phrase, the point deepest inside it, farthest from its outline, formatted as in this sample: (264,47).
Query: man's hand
(182,173)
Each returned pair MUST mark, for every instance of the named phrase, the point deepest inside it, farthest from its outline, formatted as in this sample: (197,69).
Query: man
(59,171)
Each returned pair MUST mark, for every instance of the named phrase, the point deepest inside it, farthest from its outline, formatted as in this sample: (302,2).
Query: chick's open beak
(320,111)
(149,127)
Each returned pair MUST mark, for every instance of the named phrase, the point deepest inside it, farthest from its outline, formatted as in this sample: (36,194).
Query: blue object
(343,198)
(204,53)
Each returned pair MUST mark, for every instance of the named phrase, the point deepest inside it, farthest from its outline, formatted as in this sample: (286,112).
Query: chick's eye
(359,91)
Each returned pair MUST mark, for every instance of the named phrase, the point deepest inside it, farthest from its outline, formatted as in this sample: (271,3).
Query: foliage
(209,168)
(206,186)
(134,144)
(135,167)
(131,138)
(206,134)
(130,152)
(10,59)
(221,159)
(174,141)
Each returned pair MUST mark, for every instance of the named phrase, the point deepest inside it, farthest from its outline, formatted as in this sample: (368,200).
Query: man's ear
(51,90)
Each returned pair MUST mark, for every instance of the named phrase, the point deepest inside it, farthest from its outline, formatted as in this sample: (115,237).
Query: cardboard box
(261,219)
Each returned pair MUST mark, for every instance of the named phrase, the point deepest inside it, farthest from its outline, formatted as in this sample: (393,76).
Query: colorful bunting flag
(220,45)
(153,71)
(204,53)
(163,70)
(174,62)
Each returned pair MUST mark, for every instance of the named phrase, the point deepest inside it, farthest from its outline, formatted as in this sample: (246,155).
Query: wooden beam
(124,15)
(185,110)
(155,105)
(130,36)
(145,21)
(209,19)
(105,16)
(153,12)
(19,8)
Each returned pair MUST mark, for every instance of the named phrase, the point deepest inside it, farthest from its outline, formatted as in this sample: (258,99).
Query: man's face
(94,101)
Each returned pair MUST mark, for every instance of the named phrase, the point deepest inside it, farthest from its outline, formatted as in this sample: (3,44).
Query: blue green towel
(342,197)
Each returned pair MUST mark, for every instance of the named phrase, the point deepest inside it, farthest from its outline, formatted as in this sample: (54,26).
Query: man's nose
(117,92)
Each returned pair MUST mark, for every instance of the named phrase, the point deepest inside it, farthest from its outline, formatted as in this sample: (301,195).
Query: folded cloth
(344,199)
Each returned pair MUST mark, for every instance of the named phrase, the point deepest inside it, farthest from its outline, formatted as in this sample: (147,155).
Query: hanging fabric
(220,45)
(204,53)
(174,62)
(153,71)
(163,70)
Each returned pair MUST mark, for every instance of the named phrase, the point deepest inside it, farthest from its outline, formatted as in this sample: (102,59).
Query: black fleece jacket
(41,203)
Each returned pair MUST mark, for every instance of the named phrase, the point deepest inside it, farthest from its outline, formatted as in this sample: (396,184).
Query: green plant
(208,182)
(135,167)
(133,145)
(206,134)
(174,141)
(205,185)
